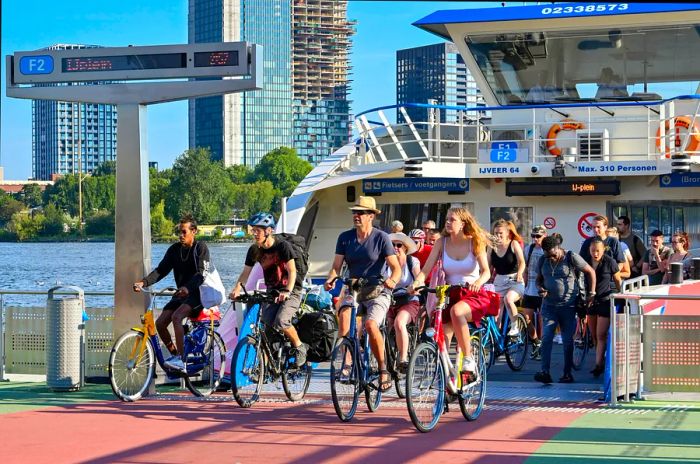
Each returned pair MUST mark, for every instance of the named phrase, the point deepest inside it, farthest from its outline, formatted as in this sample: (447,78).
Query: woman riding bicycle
(460,254)
(406,306)
(507,259)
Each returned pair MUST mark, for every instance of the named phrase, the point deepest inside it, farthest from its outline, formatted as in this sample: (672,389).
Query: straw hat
(409,244)
(366,204)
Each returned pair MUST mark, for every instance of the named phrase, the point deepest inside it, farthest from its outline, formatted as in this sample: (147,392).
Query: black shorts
(192,300)
(531,302)
(600,308)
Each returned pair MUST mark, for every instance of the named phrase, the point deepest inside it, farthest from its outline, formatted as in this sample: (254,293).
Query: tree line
(195,184)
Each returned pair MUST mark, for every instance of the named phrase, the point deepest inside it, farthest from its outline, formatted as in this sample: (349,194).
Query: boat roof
(437,22)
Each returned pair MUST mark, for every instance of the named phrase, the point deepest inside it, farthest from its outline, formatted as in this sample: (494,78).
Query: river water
(40,266)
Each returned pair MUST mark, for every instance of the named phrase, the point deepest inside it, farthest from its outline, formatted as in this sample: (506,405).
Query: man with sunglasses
(532,301)
(365,249)
(189,260)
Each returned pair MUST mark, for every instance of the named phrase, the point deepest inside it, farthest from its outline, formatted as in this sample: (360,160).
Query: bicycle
(433,381)
(497,341)
(583,341)
(132,361)
(391,349)
(353,366)
(264,356)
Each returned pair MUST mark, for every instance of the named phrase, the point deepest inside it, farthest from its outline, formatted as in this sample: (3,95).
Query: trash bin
(65,335)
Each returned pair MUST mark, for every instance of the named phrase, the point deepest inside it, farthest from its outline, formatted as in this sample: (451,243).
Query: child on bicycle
(276,257)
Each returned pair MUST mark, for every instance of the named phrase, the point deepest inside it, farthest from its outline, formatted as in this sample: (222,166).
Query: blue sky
(383,27)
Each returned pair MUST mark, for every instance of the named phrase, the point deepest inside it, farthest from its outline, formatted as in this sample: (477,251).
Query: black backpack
(301,255)
(319,330)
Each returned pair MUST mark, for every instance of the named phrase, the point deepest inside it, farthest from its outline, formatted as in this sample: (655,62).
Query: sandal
(384,385)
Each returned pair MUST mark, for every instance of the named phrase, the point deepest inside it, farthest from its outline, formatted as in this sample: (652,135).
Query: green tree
(159,183)
(199,186)
(106,169)
(26,226)
(239,174)
(161,226)
(31,195)
(64,194)
(54,220)
(8,207)
(100,223)
(283,167)
(249,199)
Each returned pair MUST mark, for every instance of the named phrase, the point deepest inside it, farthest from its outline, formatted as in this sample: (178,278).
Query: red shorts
(482,303)
(412,308)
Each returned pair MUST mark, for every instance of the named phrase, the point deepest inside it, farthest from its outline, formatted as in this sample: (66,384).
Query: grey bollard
(696,268)
(676,273)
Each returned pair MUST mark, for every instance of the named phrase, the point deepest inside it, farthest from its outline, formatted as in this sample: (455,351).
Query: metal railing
(604,131)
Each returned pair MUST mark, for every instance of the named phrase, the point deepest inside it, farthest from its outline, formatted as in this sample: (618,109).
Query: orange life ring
(567,125)
(680,122)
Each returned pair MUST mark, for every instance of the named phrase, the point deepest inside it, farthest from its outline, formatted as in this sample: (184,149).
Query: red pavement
(181,431)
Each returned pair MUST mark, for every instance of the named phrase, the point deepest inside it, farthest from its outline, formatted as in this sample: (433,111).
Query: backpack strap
(529,254)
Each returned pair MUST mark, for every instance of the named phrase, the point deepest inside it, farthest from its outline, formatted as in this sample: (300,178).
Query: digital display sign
(124,62)
(219,58)
(583,188)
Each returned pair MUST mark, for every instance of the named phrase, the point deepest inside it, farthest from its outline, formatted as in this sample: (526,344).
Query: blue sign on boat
(38,64)
(504,152)
(690,179)
(415,184)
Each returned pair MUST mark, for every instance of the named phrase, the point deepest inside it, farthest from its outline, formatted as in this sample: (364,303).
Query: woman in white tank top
(462,252)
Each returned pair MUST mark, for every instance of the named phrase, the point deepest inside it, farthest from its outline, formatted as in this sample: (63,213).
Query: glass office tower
(67,137)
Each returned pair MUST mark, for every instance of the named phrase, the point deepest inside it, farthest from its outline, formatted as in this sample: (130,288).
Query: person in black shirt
(606,271)
(612,246)
(189,260)
(276,258)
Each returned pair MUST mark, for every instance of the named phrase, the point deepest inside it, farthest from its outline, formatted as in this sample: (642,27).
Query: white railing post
(2,339)
(613,353)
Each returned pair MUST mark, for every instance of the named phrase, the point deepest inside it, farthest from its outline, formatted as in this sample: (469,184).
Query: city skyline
(382,28)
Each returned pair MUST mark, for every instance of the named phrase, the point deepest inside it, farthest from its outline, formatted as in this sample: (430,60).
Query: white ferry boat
(593,108)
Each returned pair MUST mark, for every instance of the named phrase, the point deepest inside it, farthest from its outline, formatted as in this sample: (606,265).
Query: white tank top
(459,272)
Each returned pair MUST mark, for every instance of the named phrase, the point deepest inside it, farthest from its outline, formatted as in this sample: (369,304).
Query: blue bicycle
(497,342)
(353,366)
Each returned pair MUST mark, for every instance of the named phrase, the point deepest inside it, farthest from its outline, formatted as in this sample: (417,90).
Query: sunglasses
(536,236)
(398,245)
(360,212)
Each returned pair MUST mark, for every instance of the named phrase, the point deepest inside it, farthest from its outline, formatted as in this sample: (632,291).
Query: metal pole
(2,340)
(80,170)
(613,356)
(626,366)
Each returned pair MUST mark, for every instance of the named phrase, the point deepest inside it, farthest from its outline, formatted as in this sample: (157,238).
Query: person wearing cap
(655,259)
(532,301)
(365,249)
(406,307)
(422,249)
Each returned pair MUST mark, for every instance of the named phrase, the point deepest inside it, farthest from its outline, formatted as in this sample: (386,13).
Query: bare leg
(292,335)
(461,314)
(180,313)
(592,323)
(162,324)
(602,337)
(511,298)
(401,332)
(376,342)
(343,321)
(530,317)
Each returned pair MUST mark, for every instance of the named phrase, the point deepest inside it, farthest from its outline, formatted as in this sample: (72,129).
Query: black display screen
(577,187)
(212,59)
(124,62)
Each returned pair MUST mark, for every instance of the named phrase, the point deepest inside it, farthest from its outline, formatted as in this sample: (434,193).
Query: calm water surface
(40,266)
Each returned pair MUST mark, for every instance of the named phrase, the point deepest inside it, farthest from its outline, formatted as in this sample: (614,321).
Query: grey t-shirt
(560,279)
(532,268)
(367,258)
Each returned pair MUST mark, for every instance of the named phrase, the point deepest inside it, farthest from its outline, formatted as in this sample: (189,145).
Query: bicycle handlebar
(358,283)
(163,291)
(258,296)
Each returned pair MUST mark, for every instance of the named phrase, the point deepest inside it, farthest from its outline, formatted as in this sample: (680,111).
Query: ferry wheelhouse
(592,108)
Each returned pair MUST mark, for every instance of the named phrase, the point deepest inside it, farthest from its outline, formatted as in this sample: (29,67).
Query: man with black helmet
(276,258)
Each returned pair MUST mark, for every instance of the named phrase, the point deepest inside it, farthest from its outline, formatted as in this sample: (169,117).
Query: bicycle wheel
(489,348)
(373,393)
(471,400)
(345,380)
(132,365)
(392,362)
(208,367)
(296,380)
(247,372)
(580,343)
(516,347)
(425,387)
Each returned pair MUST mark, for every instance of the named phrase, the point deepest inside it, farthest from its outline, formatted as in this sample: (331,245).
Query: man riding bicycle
(365,249)
(276,257)
(189,261)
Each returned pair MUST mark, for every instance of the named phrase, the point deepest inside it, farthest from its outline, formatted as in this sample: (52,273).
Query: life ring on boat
(566,125)
(680,122)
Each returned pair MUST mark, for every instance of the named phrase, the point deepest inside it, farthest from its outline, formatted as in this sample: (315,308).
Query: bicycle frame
(498,337)
(452,384)
(363,368)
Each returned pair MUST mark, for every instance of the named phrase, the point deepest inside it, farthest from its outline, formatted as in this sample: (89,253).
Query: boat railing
(599,131)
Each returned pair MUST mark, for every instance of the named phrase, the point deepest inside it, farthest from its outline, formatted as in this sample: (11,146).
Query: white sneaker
(514,331)
(557,339)
(175,363)
(469,364)
(469,374)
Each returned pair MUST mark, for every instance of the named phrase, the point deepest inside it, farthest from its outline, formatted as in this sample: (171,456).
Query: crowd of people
(544,280)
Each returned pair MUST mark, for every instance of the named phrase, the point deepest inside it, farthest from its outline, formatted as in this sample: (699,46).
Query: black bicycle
(265,356)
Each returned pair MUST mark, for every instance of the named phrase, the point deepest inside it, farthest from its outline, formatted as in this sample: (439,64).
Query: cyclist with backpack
(532,302)
(277,259)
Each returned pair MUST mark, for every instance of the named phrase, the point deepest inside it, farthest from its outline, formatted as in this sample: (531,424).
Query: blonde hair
(612,231)
(512,231)
(480,238)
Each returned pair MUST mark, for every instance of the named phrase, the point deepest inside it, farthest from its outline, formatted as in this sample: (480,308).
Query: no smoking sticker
(585,225)
(550,222)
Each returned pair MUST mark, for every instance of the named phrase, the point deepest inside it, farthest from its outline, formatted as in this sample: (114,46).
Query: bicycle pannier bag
(319,330)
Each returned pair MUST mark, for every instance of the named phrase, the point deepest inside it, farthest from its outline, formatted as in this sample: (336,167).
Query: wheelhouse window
(625,64)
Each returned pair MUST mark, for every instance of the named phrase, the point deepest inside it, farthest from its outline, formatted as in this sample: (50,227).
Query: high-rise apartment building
(70,137)
(320,76)
(435,72)
(304,100)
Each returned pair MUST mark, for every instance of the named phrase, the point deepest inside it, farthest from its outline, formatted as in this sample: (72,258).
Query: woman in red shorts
(461,257)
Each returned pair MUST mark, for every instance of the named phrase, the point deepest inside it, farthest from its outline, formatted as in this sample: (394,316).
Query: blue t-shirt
(367,258)
(612,249)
